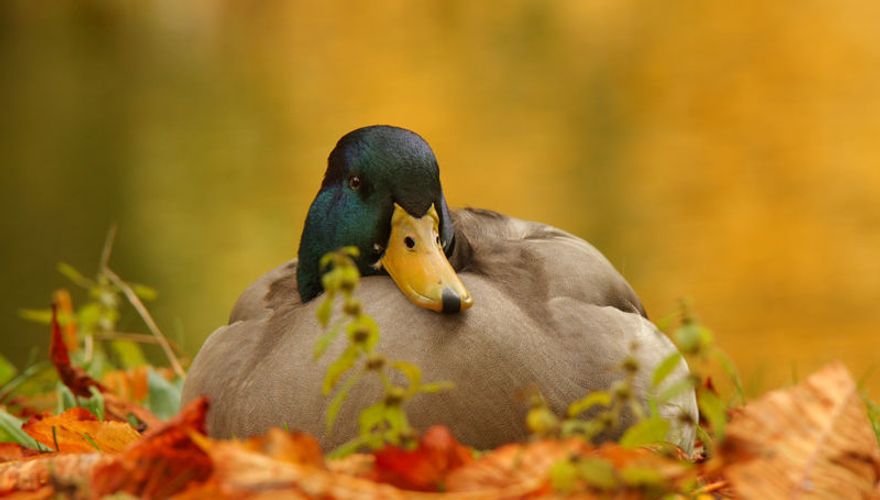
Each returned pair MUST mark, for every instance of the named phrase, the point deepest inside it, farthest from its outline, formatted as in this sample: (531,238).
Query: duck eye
(409,242)
(354,182)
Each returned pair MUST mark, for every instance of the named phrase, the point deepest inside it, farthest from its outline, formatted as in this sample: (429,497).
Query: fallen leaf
(78,431)
(515,467)
(812,440)
(118,409)
(426,467)
(528,469)
(291,447)
(241,473)
(165,462)
(75,378)
(14,451)
(79,382)
(129,385)
(36,474)
(61,298)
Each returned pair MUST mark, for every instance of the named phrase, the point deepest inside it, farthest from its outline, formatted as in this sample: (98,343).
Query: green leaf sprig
(385,422)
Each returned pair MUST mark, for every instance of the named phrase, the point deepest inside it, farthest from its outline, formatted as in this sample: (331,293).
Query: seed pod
(394,396)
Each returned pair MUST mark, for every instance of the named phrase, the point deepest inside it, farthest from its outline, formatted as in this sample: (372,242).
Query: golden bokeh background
(726,152)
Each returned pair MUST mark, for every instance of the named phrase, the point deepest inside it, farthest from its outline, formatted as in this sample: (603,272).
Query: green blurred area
(726,153)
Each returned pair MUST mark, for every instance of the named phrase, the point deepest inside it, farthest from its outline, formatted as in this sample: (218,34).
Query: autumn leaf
(80,383)
(515,469)
(61,297)
(77,380)
(14,451)
(291,447)
(130,385)
(78,431)
(239,472)
(165,462)
(41,475)
(811,440)
(426,467)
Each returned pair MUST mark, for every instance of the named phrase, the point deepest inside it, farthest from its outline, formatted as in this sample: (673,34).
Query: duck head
(382,194)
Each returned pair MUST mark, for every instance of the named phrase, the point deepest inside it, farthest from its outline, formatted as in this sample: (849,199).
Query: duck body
(550,312)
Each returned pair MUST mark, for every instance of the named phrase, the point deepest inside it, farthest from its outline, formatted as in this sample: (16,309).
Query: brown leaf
(243,473)
(426,467)
(291,447)
(514,467)
(813,440)
(36,474)
(78,431)
(129,385)
(165,462)
(61,297)
(77,380)
(13,451)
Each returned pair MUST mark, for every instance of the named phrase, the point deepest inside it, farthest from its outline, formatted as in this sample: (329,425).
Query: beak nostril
(409,242)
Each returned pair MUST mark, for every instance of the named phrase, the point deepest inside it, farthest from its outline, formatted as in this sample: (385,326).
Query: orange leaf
(13,451)
(426,467)
(291,447)
(79,382)
(130,385)
(514,468)
(40,473)
(165,462)
(61,297)
(78,431)
(814,439)
(242,473)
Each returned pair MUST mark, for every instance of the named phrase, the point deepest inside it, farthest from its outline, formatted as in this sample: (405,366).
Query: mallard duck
(492,303)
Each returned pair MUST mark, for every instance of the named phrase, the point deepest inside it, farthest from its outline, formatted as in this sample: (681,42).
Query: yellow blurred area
(726,152)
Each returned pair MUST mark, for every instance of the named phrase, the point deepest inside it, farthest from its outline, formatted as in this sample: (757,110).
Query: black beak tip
(451,301)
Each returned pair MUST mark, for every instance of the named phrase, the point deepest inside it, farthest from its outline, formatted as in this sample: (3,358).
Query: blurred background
(726,152)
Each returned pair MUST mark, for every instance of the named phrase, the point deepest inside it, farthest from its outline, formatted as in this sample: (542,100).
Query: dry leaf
(79,382)
(61,297)
(78,431)
(36,474)
(514,467)
(165,462)
(243,473)
(75,378)
(811,441)
(426,467)
(129,385)
(13,451)
(291,447)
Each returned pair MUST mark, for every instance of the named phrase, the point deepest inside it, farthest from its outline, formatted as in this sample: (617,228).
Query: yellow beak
(415,261)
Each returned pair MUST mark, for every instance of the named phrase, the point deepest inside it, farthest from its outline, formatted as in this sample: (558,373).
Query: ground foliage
(88,433)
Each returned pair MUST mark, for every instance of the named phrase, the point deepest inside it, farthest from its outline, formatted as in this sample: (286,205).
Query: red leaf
(77,380)
(426,467)
(162,464)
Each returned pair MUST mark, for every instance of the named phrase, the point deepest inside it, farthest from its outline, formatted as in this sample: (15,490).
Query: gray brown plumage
(550,311)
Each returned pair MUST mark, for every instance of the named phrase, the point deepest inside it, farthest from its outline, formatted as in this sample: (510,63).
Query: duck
(491,303)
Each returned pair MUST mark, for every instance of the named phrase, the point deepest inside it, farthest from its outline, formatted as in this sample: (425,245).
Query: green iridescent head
(380,182)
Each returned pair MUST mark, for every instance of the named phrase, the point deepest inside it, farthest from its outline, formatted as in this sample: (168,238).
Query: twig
(141,338)
(711,487)
(108,247)
(148,320)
